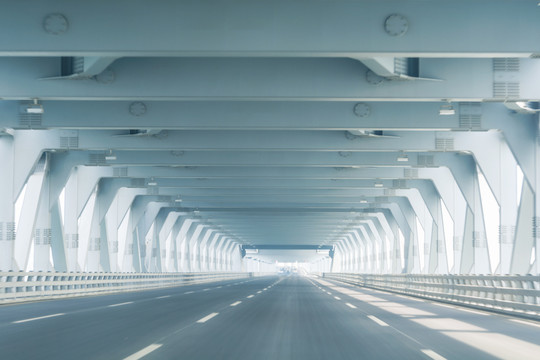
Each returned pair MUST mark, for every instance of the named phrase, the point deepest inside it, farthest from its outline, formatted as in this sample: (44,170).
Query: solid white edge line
(124,303)
(432,354)
(350,305)
(525,322)
(207,317)
(377,320)
(236,303)
(141,353)
(250,296)
(37,318)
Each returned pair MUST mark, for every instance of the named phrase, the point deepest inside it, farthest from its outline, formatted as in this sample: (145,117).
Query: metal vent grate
(506,89)
(96,159)
(506,78)
(120,171)
(506,64)
(410,173)
(78,64)
(69,142)
(506,234)
(425,160)
(479,239)
(401,66)
(30,120)
(444,144)
(470,121)
(536,227)
(399,184)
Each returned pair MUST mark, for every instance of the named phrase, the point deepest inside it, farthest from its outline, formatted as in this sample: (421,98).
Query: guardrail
(511,294)
(26,286)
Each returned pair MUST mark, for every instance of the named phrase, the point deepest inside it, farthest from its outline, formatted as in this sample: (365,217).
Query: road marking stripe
(141,353)
(236,303)
(337,298)
(350,305)
(189,292)
(206,289)
(38,318)
(432,354)
(258,292)
(329,293)
(121,304)
(525,322)
(206,318)
(219,287)
(250,296)
(377,320)
(163,297)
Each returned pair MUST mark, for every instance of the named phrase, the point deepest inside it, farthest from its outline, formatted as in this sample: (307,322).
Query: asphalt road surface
(287,317)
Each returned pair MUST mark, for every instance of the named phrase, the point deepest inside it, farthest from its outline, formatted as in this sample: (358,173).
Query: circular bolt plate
(396,25)
(55,24)
(362,110)
(137,108)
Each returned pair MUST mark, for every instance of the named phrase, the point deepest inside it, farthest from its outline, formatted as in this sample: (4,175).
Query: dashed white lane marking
(258,292)
(207,289)
(141,353)
(121,304)
(206,318)
(350,305)
(236,303)
(329,293)
(337,298)
(432,354)
(38,318)
(250,296)
(163,297)
(219,287)
(525,322)
(189,292)
(377,320)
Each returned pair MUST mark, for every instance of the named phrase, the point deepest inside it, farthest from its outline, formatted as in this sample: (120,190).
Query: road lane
(289,317)
(104,332)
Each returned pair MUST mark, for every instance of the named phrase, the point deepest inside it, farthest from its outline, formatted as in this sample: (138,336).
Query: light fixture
(34,108)
(363,201)
(110,156)
(379,184)
(178,199)
(402,158)
(152,182)
(447,110)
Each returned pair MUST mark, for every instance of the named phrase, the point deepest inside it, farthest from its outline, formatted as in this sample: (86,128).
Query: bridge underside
(370,137)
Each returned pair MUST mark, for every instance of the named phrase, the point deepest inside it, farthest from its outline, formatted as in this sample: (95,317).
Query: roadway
(288,317)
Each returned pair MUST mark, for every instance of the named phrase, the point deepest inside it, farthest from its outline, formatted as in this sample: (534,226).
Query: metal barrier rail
(25,286)
(512,294)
